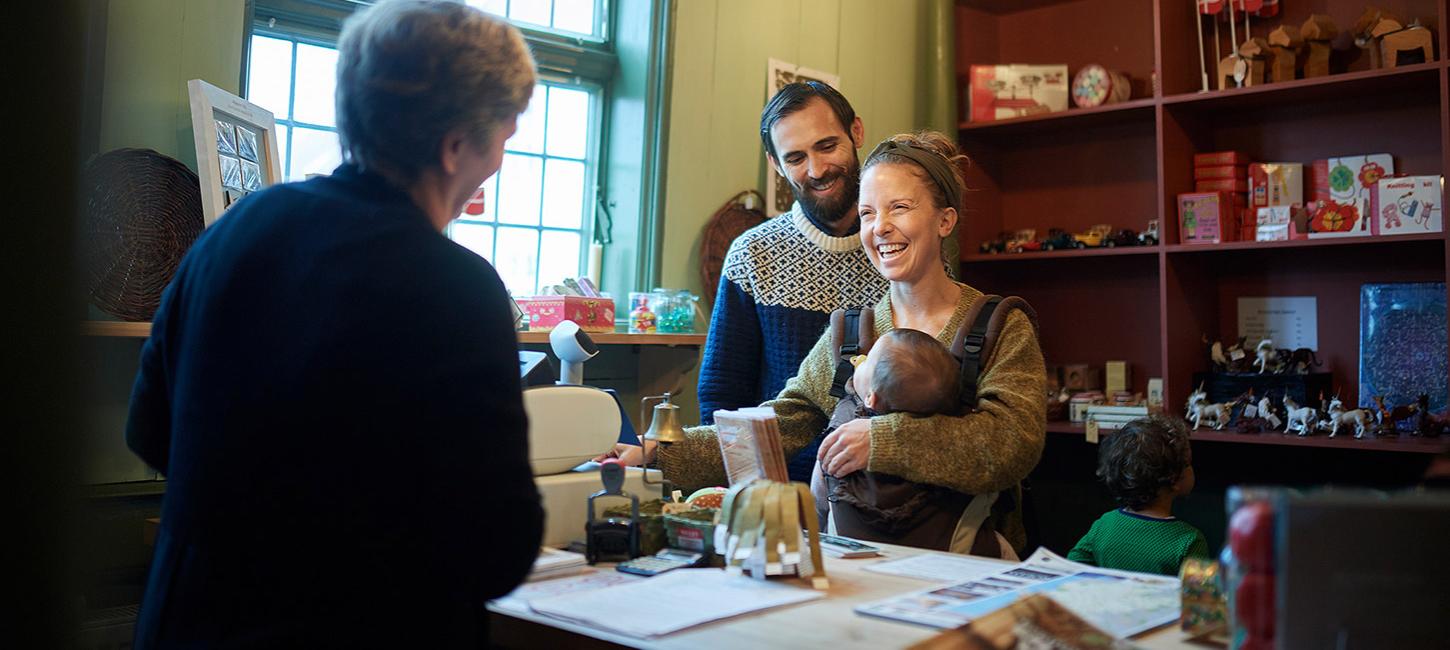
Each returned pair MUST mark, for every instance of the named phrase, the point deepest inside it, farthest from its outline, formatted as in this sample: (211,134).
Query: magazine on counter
(1122,603)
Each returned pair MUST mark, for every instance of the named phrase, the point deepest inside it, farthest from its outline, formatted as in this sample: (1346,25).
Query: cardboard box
(1280,223)
(1216,158)
(1119,377)
(1220,171)
(1239,185)
(1345,193)
(1000,92)
(1205,218)
(591,314)
(1409,205)
(1275,184)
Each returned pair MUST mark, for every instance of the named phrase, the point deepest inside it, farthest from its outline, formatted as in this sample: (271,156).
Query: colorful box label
(1276,184)
(1409,205)
(1205,217)
(1345,192)
(999,92)
(546,312)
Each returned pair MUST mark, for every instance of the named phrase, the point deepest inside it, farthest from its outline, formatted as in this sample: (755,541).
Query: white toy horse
(1267,357)
(1360,418)
(1199,410)
(1305,417)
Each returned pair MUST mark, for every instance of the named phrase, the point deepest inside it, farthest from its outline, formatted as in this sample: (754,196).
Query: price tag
(1251,411)
(1236,355)
(1091,430)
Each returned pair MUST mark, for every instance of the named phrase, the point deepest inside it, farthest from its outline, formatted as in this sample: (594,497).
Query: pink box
(1409,205)
(1205,217)
(591,314)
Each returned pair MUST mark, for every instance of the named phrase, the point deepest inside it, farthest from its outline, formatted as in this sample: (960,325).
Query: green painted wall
(153,47)
(717,88)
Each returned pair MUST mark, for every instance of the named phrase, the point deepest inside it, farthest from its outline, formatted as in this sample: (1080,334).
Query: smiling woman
(910,195)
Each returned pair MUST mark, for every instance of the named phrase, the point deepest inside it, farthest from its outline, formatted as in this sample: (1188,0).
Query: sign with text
(1289,321)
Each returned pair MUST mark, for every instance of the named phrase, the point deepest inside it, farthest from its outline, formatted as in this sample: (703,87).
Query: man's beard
(828,213)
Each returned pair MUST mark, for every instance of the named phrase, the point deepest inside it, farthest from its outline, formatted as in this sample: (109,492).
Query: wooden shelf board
(1068,254)
(1124,112)
(143,330)
(1302,243)
(1337,86)
(1403,443)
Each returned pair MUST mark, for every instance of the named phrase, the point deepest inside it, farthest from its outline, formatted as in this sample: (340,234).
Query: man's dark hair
(918,376)
(795,97)
(1140,460)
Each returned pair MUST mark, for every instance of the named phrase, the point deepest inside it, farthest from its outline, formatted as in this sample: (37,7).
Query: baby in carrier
(905,371)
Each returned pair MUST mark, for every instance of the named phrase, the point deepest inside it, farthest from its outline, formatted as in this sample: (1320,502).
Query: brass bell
(664,425)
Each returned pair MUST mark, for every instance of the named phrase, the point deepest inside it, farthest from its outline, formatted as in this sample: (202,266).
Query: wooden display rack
(1123,164)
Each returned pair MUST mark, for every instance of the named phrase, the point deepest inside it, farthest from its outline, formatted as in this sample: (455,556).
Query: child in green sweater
(1146,465)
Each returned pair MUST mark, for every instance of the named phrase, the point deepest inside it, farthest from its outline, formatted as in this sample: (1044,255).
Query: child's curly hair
(1141,459)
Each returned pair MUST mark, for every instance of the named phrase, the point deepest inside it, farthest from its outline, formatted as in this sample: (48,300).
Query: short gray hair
(411,71)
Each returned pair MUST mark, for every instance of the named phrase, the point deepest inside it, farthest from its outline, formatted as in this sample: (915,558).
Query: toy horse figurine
(1266,357)
(1218,415)
(1302,360)
(1360,418)
(1389,419)
(1304,416)
(1429,424)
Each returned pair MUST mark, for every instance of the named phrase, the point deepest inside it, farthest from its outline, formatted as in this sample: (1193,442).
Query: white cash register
(569,425)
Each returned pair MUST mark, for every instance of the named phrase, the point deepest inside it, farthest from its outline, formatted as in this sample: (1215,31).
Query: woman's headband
(937,167)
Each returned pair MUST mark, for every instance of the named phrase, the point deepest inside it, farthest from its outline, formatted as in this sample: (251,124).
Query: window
(588,145)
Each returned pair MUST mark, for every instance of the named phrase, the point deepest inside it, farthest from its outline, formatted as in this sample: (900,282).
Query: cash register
(569,425)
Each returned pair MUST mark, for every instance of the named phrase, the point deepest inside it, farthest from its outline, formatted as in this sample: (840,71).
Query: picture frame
(236,147)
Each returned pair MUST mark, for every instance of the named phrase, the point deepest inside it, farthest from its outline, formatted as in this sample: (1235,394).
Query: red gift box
(1216,158)
(1220,171)
(1238,185)
(546,312)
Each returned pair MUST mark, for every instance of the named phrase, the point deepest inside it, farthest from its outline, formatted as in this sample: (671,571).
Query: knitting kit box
(999,92)
(1402,343)
(546,312)
(1345,194)
(1409,205)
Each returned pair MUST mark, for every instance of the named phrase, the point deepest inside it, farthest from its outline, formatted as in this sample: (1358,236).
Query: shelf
(1068,254)
(1301,243)
(1402,443)
(1125,112)
(1340,87)
(143,330)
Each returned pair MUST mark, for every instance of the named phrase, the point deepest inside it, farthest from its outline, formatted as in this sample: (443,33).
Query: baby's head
(908,370)
(1145,459)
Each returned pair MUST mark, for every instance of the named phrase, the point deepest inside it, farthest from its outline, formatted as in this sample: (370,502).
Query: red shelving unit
(1124,164)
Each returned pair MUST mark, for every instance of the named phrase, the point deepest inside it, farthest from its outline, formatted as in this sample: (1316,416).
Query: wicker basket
(729,222)
(142,212)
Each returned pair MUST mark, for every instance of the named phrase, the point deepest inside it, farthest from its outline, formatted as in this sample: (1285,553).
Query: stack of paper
(554,563)
(1114,417)
(750,443)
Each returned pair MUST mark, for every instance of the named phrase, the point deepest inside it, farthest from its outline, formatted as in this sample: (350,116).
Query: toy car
(998,245)
(1024,240)
(1093,238)
(1058,239)
(1149,236)
(1124,237)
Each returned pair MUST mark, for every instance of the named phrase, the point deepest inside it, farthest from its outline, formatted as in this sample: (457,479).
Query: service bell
(664,425)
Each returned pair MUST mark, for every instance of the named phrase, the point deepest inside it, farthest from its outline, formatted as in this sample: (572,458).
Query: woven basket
(724,226)
(142,212)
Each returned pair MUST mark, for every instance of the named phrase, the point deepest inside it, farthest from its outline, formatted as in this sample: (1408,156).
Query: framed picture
(236,147)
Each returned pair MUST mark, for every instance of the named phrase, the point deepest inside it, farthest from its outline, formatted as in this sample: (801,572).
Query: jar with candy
(1249,561)
(642,318)
(676,311)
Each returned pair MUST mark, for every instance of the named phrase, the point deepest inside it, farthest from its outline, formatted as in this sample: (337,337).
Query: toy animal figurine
(1199,410)
(1285,44)
(1413,44)
(1338,417)
(1299,419)
(1428,424)
(1388,420)
(1317,31)
(1301,361)
(1254,56)
(1372,24)
(1266,358)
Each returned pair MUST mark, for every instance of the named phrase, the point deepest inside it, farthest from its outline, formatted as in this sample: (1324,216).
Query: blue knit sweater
(780,282)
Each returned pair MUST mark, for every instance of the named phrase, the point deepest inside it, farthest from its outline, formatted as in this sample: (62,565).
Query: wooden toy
(1285,44)
(1253,58)
(1317,31)
(1368,30)
(1413,44)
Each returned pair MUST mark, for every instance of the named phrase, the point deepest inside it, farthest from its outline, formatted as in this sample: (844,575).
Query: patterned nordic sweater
(780,282)
(986,451)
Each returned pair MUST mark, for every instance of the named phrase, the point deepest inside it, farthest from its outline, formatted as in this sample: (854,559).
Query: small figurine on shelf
(1095,236)
(1301,361)
(1338,417)
(1059,239)
(998,245)
(1024,240)
(1428,424)
(1299,419)
(1317,31)
(1149,236)
(1413,44)
(1388,420)
(1200,411)
(1284,45)
(1254,56)
(1373,24)
(1266,358)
